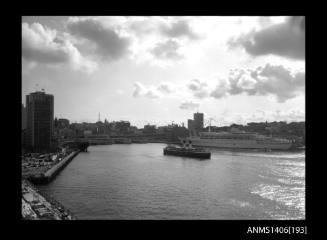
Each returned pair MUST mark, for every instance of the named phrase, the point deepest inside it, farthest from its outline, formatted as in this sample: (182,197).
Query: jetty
(53,171)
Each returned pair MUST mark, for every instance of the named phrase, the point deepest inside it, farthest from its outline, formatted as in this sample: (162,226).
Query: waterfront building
(87,133)
(178,132)
(63,123)
(24,120)
(65,133)
(123,127)
(61,128)
(198,121)
(189,124)
(149,129)
(39,106)
(161,130)
(135,130)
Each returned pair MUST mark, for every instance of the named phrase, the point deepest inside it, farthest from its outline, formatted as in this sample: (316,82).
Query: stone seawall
(52,172)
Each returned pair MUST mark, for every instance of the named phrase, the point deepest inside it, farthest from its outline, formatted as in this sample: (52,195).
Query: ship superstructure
(239,140)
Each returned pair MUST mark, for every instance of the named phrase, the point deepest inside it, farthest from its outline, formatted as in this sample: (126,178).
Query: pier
(52,172)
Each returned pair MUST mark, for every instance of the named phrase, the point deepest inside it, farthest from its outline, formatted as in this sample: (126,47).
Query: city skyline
(162,69)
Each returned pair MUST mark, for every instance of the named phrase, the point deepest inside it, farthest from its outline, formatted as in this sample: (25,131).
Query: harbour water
(136,181)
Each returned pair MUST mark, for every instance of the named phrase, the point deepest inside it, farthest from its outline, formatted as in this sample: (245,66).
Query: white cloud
(270,80)
(198,88)
(110,45)
(141,91)
(167,87)
(259,115)
(177,29)
(291,115)
(159,41)
(45,46)
(246,82)
(166,27)
(142,26)
(274,80)
(286,39)
(167,50)
(163,89)
(221,89)
(189,105)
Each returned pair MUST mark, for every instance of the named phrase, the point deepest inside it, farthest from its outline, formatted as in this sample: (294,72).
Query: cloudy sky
(162,69)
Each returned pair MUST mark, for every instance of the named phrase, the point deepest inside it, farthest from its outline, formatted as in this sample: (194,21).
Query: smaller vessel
(187,151)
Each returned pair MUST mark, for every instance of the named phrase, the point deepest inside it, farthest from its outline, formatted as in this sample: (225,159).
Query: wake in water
(289,198)
(285,185)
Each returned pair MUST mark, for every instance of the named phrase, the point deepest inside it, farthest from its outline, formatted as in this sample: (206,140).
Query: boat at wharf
(187,151)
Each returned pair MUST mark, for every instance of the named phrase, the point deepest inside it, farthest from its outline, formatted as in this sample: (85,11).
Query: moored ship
(187,150)
(236,139)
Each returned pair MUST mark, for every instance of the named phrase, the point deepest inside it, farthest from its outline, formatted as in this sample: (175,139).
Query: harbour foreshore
(36,206)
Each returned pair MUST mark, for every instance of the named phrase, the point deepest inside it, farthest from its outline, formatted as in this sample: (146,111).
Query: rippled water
(137,181)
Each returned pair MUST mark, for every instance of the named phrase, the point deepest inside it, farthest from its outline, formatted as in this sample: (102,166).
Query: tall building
(198,121)
(39,106)
(24,121)
(189,124)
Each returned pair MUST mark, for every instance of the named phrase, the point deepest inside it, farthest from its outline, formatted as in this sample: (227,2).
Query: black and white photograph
(163,118)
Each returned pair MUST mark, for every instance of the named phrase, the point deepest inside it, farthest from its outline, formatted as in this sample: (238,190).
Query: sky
(161,69)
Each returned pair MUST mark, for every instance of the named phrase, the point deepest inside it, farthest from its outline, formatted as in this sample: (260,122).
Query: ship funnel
(183,142)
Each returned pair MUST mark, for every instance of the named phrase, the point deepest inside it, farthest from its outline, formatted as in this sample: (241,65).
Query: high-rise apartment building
(24,120)
(39,108)
(198,121)
(189,124)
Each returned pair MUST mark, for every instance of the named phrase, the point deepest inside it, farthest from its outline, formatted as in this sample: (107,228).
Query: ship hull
(239,144)
(199,155)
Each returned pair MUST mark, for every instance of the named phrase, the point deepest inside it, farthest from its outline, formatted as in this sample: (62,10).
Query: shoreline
(38,206)
(290,150)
